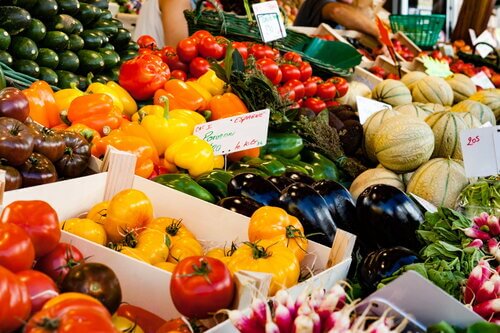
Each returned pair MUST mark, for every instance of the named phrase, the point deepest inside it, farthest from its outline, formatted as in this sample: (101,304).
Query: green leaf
(483,327)
(219,71)
(238,63)
(228,60)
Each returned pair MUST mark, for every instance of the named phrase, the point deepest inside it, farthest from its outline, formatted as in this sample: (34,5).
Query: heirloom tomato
(16,248)
(149,322)
(15,304)
(59,261)
(41,288)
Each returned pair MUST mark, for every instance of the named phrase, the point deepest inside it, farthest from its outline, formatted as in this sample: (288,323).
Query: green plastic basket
(423,30)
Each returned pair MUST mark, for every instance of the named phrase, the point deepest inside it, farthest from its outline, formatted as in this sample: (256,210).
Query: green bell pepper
(215,182)
(184,183)
(292,165)
(271,167)
(323,167)
(287,145)
(245,168)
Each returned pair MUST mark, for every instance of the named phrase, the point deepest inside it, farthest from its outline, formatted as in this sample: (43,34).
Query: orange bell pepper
(161,97)
(129,128)
(88,133)
(144,152)
(227,105)
(186,95)
(95,111)
(37,112)
(47,95)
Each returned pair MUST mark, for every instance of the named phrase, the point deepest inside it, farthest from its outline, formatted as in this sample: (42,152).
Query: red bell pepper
(143,75)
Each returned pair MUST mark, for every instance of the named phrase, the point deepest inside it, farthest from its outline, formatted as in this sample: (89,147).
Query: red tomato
(276,54)
(15,302)
(326,91)
(145,51)
(178,65)
(393,76)
(270,69)
(292,57)
(38,219)
(316,79)
(200,34)
(198,67)
(379,71)
(310,87)
(331,103)
(187,50)
(496,79)
(178,74)
(75,318)
(315,104)
(298,87)
(305,71)
(341,84)
(260,51)
(146,41)
(437,54)
(17,252)
(201,286)
(148,321)
(487,71)
(290,72)
(57,263)
(209,47)
(40,287)
(174,325)
(287,92)
(242,49)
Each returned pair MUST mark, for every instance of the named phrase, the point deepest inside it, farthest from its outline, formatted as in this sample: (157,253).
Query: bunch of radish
(486,232)
(482,291)
(315,311)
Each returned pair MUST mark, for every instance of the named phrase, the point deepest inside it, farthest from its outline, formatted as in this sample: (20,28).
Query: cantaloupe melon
(491,98)
(439,181)
(411,78)
(403,143)
(407,177)
(462,87)
(432,89)
(371,126)
(447,127)
(470,119)
(379,175)
(431,106)
(413,110)
(355,89)
(479,110)
(392,92)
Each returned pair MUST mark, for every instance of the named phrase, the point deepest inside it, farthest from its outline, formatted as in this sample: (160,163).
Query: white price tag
(269,20)
(426,204)
(482,80)
(367,107)
(236,133)
(481,155)
(486,124)
(424,4)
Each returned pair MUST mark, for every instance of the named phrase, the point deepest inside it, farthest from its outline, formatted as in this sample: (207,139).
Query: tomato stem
(49,324)
(258,251)
(173,228)
(202,270)
(293,232)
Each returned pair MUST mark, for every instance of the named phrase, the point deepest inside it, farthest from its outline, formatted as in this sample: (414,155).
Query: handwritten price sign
(269,20)
(481,151)
(236,133)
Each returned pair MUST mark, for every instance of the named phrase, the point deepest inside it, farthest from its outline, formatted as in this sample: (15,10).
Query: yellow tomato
(98,212)
(275,223)
(183,248)
(173,227)
(267,256)
(86,228)
(167,266)
(223,254)
(127,211)
(125,325)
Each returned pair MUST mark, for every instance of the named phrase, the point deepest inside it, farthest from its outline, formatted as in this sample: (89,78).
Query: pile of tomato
(289,72)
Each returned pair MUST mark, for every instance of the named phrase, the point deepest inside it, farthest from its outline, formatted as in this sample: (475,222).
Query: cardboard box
(145,285)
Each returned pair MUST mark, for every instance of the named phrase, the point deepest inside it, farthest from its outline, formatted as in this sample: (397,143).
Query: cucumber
(92,39)
(68,61)
(14,19)
(48,75)
(106,15)
(66,79)
(4,39)
(132,45)
(64,23)
(102,78)
(104,37)
(127,55)
(76,43)
(47,58)
(118,23)
(23,48)
(28,67)
(87,14)
(107,46)
(83,82)
(90,61)
(112,73)
(36,31)
(45,8)
(70,7)
(56,40)
(121,39)
(78,28)
(111,58)
(108,27)
(102,4)
(6,58)
(26,4)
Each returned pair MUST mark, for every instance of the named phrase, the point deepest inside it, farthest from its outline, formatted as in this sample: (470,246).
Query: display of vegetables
(64,43)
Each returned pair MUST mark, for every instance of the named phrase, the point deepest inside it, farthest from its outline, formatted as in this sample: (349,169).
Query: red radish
(334,300)
(476,233)
(488,309)
(339,320)
(477,277)
(303,324)
(493,225)
(243,323)
(271,327)
(260,311)
(316,322)
(281,296)
(486,292)
(283,318)
(477,243)
(481,220)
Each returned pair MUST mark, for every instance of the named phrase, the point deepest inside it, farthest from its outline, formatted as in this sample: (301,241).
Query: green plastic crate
(423,30)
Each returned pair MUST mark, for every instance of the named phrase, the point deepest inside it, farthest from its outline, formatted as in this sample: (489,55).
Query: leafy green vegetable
(482,196)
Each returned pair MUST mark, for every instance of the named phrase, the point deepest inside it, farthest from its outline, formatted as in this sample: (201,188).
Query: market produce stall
(224,184)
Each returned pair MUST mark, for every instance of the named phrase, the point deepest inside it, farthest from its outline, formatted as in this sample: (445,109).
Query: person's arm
(174,24)
(350,17)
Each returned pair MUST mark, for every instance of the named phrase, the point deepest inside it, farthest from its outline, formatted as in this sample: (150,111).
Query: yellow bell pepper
(100,88)
(212,83)
(148,110)
(191,153)
(218,162)
(129,104)
(164,132)
(207,96)
(64,97)
(189,115)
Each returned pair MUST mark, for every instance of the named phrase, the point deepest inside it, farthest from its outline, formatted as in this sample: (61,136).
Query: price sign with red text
(236,133)
(481,151)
